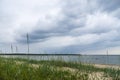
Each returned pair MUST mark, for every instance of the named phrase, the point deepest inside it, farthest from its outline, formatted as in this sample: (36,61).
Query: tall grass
(23,69)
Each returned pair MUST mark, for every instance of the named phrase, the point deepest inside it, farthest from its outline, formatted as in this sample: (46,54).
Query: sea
(92,59)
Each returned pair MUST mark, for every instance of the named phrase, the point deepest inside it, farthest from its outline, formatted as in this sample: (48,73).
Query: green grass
(23,69)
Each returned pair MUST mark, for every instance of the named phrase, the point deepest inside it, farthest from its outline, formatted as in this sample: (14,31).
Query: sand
(107,66)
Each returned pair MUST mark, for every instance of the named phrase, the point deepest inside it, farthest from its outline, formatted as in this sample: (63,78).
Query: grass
(23,69)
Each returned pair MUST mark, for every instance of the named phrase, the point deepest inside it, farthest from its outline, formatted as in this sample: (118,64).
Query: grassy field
(23,69)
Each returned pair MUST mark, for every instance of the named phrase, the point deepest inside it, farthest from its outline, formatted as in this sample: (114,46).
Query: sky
(60,26)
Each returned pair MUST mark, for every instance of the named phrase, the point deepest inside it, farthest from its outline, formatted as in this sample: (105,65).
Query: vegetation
(24,69)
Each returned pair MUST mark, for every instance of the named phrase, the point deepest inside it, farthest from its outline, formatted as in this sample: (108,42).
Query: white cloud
(98,23)
(58,42)
(64,23)
(20,17)
(110,50)
(64,41)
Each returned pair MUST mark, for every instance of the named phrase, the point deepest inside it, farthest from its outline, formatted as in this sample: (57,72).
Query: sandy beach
(106,66)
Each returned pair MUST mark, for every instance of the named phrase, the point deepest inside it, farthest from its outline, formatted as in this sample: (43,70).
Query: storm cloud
(60,26)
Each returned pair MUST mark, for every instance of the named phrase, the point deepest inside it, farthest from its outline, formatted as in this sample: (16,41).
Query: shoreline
(107,66)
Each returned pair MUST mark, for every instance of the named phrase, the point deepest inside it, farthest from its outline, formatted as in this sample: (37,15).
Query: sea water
(92,59)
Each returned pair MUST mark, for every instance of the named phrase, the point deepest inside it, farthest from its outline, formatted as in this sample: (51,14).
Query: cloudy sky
(60,26)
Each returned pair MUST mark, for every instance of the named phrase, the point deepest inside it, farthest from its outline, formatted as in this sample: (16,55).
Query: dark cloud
(73,12)
(109,5)
(87,25)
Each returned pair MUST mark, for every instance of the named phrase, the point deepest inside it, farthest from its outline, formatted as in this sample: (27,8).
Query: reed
(24,69)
